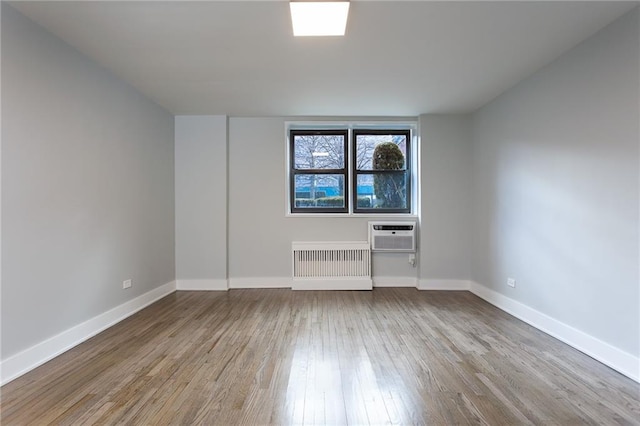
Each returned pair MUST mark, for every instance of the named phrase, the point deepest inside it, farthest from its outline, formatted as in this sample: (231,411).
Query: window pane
(318,151)
(387,157)
(319,191)
(382,190)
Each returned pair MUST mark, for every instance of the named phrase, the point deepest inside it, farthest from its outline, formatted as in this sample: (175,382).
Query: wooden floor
(388,356)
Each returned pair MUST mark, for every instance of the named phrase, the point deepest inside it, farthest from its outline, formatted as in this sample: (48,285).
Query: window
(381,171)
(319,172)
(347,170)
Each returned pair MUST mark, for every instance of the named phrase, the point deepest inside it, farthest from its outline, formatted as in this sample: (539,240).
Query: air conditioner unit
(392,236)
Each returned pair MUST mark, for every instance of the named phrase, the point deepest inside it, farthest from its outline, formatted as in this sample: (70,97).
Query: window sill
(356,215)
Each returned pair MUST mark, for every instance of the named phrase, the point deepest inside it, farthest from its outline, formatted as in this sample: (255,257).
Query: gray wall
(541,185)
(260,233)
(201,197)
(446,197)
(556,191)
(87,188)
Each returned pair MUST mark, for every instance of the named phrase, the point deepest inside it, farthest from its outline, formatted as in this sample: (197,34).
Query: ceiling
(398,58)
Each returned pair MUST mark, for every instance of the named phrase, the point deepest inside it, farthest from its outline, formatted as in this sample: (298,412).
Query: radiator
(331,265)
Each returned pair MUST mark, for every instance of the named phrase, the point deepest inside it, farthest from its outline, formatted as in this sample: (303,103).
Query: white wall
(445,253)
(201,201)
(87,188)
(556,188)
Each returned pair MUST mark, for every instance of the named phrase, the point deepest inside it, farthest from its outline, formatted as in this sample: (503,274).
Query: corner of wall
(619,360)
(28,359)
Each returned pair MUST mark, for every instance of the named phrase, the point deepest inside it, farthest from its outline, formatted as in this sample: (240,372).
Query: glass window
(322,176)
(382,171)
(318,171)
(319,190)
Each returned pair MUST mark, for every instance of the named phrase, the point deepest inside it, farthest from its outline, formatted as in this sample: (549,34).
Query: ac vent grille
(392,236)
(382,242)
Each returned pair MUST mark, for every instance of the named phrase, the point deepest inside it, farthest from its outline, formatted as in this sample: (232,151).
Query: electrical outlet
(126,284)
(511,282)
(412,259)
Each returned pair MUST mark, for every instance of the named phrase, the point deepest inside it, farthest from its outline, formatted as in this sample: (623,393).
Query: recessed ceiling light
(319,18)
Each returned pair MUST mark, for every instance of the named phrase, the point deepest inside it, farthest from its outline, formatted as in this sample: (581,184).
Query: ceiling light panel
(323,18)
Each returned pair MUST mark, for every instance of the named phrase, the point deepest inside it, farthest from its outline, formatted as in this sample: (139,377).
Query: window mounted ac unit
(392,236)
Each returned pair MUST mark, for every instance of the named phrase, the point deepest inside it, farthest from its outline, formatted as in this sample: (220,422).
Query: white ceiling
(398,58)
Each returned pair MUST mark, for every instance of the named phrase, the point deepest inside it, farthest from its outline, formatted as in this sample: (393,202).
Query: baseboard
(451,285)
(201,285)
(603,352)
(25,361)
(260,282)
(395,282)
(357,284)
(288,282)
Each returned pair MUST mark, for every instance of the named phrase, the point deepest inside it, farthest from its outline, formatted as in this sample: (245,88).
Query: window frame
(355,172)
(405,124)
(293,171)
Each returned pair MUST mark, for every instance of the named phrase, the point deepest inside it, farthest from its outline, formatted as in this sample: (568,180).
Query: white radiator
(331,265)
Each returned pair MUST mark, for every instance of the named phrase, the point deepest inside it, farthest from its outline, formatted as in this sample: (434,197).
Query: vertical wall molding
(201,285)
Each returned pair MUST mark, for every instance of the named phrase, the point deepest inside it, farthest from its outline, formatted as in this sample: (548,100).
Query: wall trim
(28,359)
(451,285)
(260,282)
(395,282)
(201,285)
(338,284)
(623,362)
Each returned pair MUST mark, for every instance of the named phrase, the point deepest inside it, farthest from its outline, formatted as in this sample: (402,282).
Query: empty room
(344,212)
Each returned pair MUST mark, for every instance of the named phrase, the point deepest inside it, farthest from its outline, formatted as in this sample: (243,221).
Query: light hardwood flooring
(388,356)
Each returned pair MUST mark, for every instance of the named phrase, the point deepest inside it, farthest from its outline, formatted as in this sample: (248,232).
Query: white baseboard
(260,282)
(357,284)
(395,282)
(201,285)
(25,361)
(456,285)
(288,282)
(603,352)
